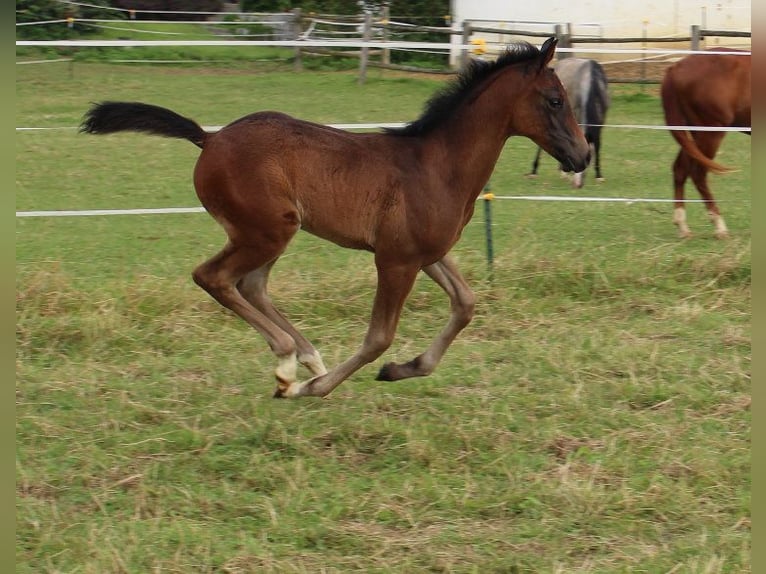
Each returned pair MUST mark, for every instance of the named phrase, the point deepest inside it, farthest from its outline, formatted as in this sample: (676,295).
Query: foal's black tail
(110,117)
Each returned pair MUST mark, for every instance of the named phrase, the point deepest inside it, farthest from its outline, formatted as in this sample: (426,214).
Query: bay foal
(403,194)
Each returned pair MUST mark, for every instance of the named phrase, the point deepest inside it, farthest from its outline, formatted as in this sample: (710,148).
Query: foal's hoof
(309,388)
(386,372)
(395,372)
(287,391)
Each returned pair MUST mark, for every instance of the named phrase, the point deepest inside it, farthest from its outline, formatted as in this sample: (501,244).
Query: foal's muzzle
(574,157)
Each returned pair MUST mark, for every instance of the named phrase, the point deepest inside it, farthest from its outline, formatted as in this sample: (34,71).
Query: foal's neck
(473,137)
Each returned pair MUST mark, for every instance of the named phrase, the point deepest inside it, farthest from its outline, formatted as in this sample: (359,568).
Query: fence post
(488,197)
(365,51)
(297,30)
(465,56)
(386,16)
(695,37)
(644,28)
(565,40)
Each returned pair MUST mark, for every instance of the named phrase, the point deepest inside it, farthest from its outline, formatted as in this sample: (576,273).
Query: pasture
(594,417)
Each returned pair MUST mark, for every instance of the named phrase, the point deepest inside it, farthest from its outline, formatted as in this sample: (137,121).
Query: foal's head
(543,114)
(518,89)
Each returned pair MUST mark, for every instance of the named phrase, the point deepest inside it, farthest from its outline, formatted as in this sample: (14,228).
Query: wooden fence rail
(299,25)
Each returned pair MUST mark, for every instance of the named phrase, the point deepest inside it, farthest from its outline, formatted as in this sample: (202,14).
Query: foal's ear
(547,51)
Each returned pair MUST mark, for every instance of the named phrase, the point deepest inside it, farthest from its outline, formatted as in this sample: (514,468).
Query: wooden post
(696,37)
(297,31)
(644,31)
(386,51)
(465,56)
(564,39)
(365,50)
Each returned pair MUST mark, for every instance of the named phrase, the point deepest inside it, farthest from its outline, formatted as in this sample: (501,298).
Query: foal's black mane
(444,102)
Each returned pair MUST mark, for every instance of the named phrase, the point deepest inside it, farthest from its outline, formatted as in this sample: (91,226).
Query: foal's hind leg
(253,288)
(220,275)
(462,301)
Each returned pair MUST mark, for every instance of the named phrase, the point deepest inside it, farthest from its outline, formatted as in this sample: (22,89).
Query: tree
(162,9)
(52,10)
(320,6)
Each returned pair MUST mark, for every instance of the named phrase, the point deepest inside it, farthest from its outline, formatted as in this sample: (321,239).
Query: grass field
(595,416)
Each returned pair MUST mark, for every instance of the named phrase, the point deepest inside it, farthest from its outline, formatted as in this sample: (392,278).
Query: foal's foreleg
(394,284)
(253,288)
(462,301)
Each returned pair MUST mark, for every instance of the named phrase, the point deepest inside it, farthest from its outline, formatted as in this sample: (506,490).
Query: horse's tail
(596,103)
(110,117)
(675,116)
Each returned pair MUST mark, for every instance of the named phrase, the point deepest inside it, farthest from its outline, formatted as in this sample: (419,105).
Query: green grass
(594,417)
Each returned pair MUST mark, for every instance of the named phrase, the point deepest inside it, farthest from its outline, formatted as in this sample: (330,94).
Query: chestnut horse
(403,194)
(708,91)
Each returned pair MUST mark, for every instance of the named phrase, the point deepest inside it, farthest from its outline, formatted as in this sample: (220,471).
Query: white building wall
(614,17)
(609,18)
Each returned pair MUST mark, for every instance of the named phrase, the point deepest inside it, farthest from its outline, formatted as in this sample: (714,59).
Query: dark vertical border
(758,504)
(7,290)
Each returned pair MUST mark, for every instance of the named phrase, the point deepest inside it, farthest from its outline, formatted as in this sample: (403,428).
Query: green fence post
(488,197)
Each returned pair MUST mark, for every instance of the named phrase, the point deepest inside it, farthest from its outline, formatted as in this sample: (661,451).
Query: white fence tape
(216,128)
(400,124)
(43,61)
(88,212)
(627,200)
(177,210)
(337,43)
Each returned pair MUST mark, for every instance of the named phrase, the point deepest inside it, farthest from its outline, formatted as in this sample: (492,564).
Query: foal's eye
(556,102)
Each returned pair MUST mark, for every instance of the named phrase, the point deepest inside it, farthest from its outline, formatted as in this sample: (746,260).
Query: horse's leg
(462,301)
(535,164)
(708,142)
(681,167)
(220,275)
(253,288)
(578,179)
(394,284)
(597,153)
